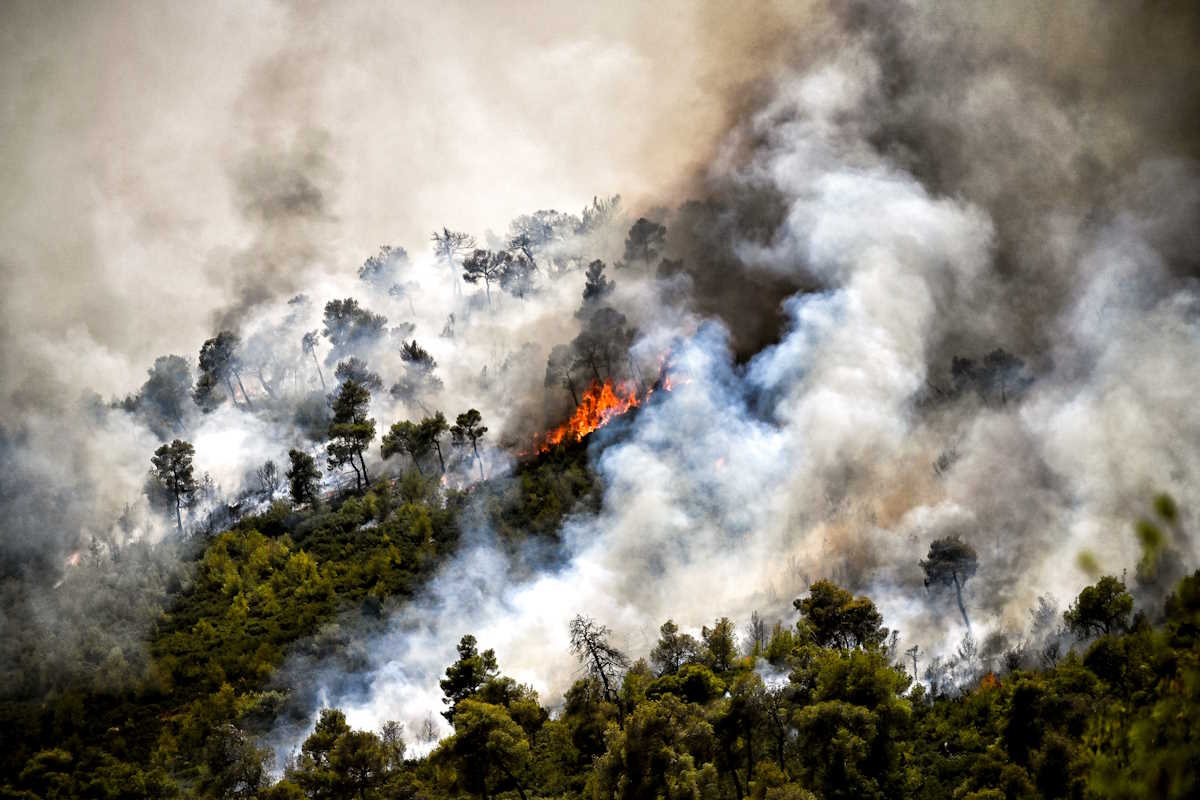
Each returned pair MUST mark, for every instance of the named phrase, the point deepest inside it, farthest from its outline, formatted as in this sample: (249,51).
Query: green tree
(951,561)
(355,369)
(358,762)
(1102,608)
(314,768)
(383,270)
(304,480)
(219,364)
(488,752)
(559,365)
(596,287)
(433,429)
(234,767)
(645,241)
(173,472)
(448,246)
(406,437)
(351,431)
(836,618)
(348,326)
(466,675)
(488,266)
(308,343)
(469,428)
(674,649)
(664,750)
(720,644)
(849,737)
(165,397)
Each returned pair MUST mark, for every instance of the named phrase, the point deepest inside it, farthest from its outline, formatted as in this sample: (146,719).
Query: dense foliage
(824,708)
(182,719)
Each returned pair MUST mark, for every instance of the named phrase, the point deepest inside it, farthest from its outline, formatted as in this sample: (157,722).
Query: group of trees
(546,241)
(826,707)
(700,721)
(350,434)
(600,351)
(418,439)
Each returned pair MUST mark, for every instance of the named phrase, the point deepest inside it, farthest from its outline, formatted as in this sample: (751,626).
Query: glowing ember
(600,403)
(73,559)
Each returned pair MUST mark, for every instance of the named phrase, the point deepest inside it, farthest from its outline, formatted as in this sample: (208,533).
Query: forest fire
(599,404)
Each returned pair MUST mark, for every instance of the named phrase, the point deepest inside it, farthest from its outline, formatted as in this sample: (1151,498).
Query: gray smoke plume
(929,182)
(927,269)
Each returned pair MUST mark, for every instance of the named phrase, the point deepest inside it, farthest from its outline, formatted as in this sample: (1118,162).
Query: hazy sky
(144,145)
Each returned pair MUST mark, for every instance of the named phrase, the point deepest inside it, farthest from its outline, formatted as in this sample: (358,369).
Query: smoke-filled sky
(162,162)
(855,195)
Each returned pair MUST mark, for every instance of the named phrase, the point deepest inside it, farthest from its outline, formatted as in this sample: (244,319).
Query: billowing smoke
(920,270)
(174,172)
(991,333)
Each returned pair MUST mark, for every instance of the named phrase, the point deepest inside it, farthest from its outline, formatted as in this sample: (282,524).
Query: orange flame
(599,405)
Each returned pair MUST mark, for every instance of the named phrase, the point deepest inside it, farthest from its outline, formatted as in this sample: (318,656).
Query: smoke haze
(855,194)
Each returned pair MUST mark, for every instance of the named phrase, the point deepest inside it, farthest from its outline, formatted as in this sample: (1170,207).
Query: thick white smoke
(732,492)
(943,179)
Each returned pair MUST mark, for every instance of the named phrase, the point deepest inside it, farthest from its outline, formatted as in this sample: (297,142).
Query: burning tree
(951,561)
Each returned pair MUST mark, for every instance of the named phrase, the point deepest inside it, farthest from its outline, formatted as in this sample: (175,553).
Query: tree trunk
(178,514)
(737,784)
(416,463)
(319,374)
(637,375)
(508,773)
(437,446)
(366,480)
(961,606)
(571,385)
(478,460)
(245,396)
(232,393)
(749,752)
(266,386)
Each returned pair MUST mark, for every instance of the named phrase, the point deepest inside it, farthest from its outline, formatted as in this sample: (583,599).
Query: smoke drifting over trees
(921,280)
